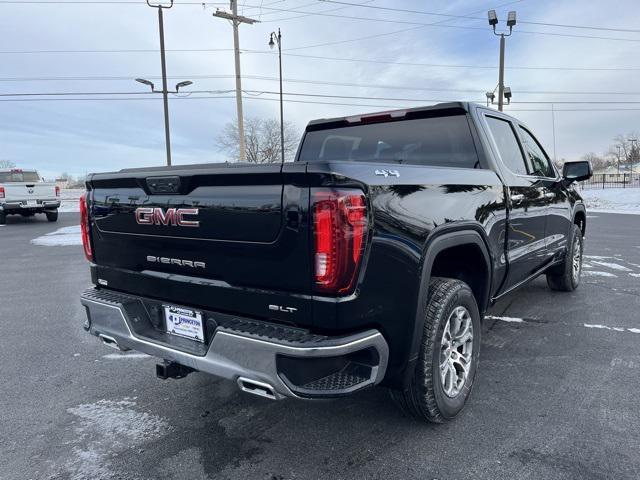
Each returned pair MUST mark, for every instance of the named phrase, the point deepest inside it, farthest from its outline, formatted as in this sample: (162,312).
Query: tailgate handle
(163,184)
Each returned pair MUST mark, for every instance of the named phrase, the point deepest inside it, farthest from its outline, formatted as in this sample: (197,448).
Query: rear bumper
(21,205)
(281,361)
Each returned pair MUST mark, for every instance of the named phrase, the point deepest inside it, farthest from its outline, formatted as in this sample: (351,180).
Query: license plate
(32,203)
(184,322)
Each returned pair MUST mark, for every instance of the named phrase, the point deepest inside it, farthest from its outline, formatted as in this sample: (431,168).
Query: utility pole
(618,147)
(511,22)
(165,93)
(236,20)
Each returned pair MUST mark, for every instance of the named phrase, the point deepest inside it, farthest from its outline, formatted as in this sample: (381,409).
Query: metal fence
(612,180)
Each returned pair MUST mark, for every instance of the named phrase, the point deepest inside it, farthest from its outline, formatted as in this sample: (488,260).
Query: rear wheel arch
(460,242)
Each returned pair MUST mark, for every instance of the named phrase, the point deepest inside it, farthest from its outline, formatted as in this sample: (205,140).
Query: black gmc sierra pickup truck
(369,260)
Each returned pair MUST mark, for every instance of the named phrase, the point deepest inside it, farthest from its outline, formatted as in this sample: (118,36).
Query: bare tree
(7,164)
(597,162)
(629,153)
(262,140)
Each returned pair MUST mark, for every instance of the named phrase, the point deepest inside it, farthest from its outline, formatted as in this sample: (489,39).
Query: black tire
(425,397)
(52,216)
(564,277)
(3,218)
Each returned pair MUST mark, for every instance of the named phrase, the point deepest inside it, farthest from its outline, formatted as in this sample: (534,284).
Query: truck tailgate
(240,228)
(21,191)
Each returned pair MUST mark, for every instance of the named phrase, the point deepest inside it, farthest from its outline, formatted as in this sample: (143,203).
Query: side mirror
(577,171)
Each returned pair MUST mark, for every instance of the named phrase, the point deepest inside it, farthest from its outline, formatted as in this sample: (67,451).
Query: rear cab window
(19,177)
(444,141)
(507,144)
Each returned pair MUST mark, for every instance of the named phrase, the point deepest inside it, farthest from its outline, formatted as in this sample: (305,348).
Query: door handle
(518,197)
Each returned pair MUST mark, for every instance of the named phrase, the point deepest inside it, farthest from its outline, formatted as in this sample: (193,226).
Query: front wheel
(449,354)
(566,277)
(52,216)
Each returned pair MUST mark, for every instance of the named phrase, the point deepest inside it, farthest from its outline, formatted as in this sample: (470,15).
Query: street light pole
(501,75)
(278,38)
(165,93)
(511,22)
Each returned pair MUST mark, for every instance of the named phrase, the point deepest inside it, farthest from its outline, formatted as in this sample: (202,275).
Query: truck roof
(323,123)
(415,112)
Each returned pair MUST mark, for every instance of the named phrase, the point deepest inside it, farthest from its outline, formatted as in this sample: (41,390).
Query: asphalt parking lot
(557,394)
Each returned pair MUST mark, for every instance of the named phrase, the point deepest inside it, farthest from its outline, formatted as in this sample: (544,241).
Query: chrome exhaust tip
(111,342)
(257,388)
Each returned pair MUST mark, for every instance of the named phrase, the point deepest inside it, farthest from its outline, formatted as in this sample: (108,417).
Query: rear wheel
(52,216)
(449,353)
(566,277)
(3,218)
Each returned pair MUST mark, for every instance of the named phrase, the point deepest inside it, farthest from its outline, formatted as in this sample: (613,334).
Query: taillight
(84,227)
(57,191)
(1,192)
(340,228)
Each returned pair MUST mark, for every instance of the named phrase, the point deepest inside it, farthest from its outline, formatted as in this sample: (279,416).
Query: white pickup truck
(23,192)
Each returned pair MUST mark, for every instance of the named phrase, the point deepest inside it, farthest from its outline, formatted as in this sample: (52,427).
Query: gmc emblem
(170,216)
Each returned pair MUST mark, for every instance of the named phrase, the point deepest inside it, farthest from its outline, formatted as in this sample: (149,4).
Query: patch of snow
(616,329)
(612,200)
(592,273)
(597,257)
(637,275)
(62,237)
(612,266)
(505,319)
(106,428)
(119,420)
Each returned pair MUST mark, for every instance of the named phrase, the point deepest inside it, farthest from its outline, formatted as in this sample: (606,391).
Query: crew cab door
(558,218)
(526,250)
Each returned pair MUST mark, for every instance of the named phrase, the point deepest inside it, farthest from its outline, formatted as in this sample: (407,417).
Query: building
(62,183)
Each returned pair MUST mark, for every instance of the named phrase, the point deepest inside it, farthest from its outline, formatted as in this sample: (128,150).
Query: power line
(422,12)
(416,26)
(138,50)
(613,109)
(275,10)
(301,94)
(315,82)
(315,57)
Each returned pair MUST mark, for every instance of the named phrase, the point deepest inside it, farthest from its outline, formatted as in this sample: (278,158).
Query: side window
(507,144)
(539,162)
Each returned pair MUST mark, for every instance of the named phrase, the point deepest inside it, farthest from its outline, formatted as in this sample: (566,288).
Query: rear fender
(443,238)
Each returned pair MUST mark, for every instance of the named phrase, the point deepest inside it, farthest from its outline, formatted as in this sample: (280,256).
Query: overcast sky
(89,136)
